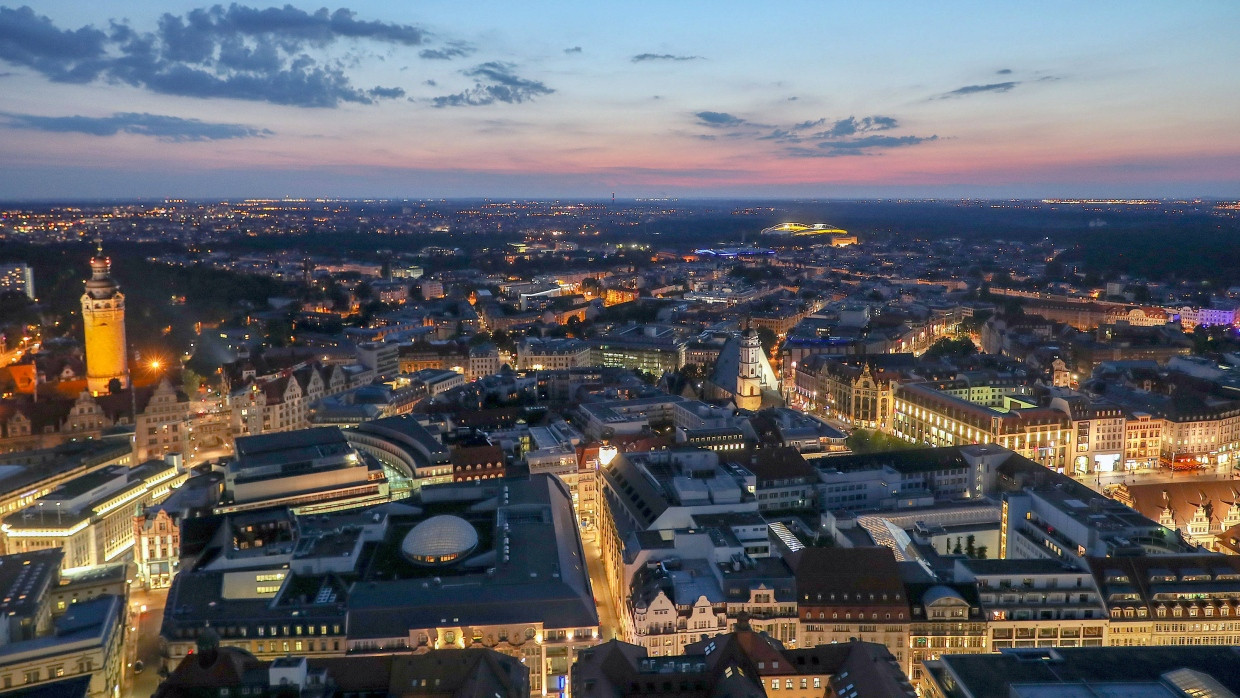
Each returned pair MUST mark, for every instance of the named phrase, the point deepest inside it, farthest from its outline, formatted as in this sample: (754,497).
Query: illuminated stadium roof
(803,229)
(439,540)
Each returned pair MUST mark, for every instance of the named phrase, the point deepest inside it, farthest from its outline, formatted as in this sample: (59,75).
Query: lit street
(143,644)
(608,605)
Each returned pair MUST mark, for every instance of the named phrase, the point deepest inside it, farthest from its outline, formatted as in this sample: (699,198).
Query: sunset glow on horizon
(184,99)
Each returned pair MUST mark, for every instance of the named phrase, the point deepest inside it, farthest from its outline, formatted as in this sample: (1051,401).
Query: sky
(175,99)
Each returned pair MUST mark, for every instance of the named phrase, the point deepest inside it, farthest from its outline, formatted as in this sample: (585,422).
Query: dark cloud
(719,119)
(165,128)
(33,41)
(456,49)
(823,129)
(815,137)
(979,89)
(864,145)
(386,92)
(495,82)
(573,49)
(646,57)
(289,23)
(852,126)
(1003,71)
(235,52)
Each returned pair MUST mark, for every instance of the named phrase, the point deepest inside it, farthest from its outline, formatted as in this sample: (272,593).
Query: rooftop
(24,578)
(1102,670)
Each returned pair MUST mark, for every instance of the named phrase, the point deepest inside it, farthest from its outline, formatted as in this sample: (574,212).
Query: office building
(1055,517)
(649,348)
(90,517)
(75,649)
(495,564)
(28,475)
(311,470)
(412,454)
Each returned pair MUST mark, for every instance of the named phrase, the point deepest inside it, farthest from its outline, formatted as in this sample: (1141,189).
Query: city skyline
(188,99)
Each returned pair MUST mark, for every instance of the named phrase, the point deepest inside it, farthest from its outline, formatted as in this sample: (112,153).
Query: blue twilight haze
(582,99)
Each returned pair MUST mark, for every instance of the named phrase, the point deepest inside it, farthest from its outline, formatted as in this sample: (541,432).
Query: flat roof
(252,446)
(24,577)
(993,675)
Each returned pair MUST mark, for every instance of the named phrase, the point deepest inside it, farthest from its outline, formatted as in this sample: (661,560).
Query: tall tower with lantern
(749,373)
(103,319)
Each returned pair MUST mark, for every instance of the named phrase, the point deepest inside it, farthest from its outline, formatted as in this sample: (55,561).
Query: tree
(981,552)
(768,339)
(114,386)
(957,550)
(867,441)
(191,382)
(970,545)
(503,341)
(951,348)
(576,327)
(694,372)
(338,296)
(859,441)
(279,332)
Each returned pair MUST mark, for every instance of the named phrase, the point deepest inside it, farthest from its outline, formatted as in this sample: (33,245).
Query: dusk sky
(582,99)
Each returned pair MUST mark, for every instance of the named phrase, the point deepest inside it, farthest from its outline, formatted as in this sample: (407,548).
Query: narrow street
(607,603)
(143,644)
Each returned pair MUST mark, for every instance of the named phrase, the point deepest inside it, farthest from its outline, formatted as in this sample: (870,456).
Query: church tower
(749,372)
(103,318)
